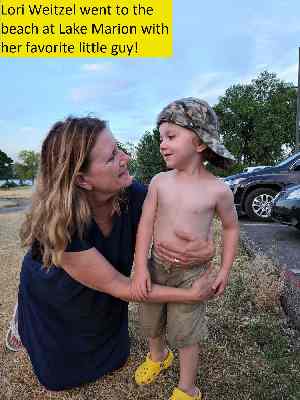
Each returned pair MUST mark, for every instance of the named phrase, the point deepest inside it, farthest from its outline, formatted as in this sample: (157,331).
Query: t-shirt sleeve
(137,198)
(78,244)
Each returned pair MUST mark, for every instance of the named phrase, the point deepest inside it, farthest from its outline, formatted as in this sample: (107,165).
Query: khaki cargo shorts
(184,324)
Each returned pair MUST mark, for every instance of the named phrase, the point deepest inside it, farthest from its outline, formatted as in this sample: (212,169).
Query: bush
(235,169)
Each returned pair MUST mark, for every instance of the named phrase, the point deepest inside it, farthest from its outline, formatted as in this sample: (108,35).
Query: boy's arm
(226,211)
(146,225)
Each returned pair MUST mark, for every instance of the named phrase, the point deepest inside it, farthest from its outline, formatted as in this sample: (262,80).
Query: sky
(216,44)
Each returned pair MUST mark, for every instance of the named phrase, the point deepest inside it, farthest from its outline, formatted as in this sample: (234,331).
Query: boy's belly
(168,230)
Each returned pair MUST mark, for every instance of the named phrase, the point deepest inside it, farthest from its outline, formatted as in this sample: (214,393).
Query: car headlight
(295,194)
(234,182)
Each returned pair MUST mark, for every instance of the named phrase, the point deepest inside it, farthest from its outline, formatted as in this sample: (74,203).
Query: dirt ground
(20,192)
(251,354)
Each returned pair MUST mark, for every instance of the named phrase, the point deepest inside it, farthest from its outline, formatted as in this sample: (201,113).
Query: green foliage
(257,122)
(257,119)
(149,161)
(6,164)
(234,169)
(130,149)
(28,168)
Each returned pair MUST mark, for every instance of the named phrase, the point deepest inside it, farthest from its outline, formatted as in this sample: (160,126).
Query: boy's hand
(202,287)
(220,283)
(141,284)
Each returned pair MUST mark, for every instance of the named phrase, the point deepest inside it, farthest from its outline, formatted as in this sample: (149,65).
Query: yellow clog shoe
(149,370)
(180,395)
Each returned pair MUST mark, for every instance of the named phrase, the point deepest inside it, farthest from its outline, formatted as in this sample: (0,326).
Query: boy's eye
(169,137)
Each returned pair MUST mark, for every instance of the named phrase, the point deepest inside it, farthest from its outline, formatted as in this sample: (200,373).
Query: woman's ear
(82,182)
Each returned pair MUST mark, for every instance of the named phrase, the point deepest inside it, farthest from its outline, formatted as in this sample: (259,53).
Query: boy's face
(179,146)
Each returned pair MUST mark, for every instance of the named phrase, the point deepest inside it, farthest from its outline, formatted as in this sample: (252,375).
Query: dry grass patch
(251,353)
(24,192)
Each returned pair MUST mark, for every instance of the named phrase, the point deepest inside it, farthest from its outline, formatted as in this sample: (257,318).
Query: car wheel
(258,204)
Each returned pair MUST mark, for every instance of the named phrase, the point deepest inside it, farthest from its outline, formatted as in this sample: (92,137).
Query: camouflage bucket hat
(198,116)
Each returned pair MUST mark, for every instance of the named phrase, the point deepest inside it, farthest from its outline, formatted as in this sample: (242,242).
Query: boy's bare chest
(186,199)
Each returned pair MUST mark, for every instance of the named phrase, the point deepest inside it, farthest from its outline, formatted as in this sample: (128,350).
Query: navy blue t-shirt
(74,334)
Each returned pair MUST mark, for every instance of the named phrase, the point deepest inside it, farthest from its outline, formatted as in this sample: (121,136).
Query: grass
(251,352)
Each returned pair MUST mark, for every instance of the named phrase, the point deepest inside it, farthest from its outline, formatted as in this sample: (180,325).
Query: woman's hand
(195,251)
(202,288)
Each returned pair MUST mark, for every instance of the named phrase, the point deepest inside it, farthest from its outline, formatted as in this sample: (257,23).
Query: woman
(74,283)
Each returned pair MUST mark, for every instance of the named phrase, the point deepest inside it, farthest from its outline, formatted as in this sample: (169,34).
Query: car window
(288,160)
(296,166)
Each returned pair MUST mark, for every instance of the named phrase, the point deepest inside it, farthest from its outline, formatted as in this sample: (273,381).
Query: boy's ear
(201,147)
(82,182)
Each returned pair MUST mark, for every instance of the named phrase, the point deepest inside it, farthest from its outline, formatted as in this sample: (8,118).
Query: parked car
(254,191)
(286,207)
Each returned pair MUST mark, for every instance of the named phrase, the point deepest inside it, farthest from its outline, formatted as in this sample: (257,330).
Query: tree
(130,149)
(148,159)
(6,166)
(28,168)
(257,120)
(20,172)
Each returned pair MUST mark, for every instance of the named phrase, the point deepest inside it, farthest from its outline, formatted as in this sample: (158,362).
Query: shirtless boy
(179,202)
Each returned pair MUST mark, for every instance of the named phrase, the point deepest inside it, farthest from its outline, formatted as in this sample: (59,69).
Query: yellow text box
(86,29)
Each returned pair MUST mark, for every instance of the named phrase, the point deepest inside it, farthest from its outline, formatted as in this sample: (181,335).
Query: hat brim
(221,157)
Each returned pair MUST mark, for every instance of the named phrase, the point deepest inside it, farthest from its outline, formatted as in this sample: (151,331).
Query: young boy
(182,199)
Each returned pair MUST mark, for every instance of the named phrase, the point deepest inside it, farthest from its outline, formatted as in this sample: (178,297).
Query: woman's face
(107,172)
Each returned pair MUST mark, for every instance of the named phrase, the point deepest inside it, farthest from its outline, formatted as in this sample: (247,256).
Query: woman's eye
(112,157)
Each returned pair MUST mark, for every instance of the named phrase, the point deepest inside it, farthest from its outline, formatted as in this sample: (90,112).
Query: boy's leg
(153,318)
(187,327)
(158,348)
(158,360)
(189,363)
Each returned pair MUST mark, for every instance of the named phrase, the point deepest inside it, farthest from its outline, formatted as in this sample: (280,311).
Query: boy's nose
(162,145)
(124,158)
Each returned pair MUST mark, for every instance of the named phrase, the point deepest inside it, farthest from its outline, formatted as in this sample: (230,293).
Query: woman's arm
(91,269)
